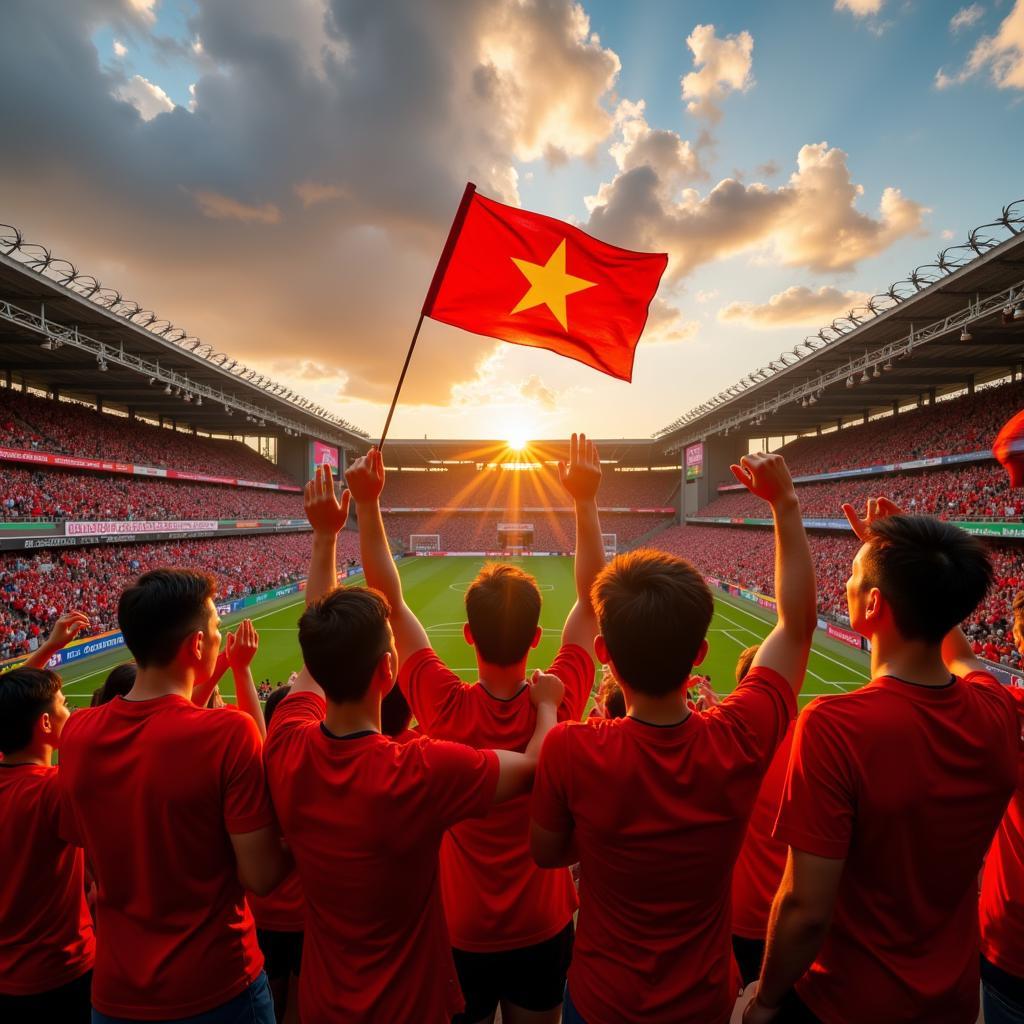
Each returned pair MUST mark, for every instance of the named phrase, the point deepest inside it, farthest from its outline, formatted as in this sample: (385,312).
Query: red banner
(846,636)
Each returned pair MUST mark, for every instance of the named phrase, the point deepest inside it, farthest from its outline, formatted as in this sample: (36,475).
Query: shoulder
(572,658)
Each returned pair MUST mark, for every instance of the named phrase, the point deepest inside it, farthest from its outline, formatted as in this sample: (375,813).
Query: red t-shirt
(153,789)
(46,933)
(495,896)
(364,817)
(907,783)
(1002,887)
(762,860)
(659,815)
(283,910)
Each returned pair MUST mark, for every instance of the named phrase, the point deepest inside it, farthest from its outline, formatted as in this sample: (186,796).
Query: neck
(41,755)
(162,681)
(364,716)
(913,661)
(502,681)
(669,709)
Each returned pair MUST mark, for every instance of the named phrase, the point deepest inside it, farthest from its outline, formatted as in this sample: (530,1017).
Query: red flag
(1009,449)
(532,280)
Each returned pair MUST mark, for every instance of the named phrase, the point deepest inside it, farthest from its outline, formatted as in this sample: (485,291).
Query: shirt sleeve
(246,801)
(757,714)
(430,687)
(575,668)
(462,780)
(819,801)
(549,803)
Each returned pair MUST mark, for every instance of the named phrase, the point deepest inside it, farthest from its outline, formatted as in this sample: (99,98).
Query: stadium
(127,446)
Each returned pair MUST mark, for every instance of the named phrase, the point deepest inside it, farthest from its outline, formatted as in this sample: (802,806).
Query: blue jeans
(570,1015)
(253,1006)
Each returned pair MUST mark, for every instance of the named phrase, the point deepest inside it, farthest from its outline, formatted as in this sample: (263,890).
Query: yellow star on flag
(550,284)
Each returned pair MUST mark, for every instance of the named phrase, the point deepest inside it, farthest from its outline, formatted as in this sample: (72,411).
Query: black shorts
(282,952)
(69,1004)
(532,977)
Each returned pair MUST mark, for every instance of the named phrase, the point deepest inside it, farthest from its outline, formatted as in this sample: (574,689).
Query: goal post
(424,543)
(610,541)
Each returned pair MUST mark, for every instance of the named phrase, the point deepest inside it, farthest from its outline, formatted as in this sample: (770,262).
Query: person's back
(158,791)
(929,771)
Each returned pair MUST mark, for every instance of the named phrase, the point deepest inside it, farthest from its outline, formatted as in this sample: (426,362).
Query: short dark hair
(931,573)
(343,636)
(25,694)
(745,660)
(653,610)
(395,713)
(503,609)
(1018,607)
(273,700)
(160,609)
(119,681)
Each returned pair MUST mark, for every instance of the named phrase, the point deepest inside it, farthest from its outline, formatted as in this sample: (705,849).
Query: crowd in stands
(478,531)
(31,422)
(59,494)
(744,556)
(979,491)
(35,587)
(466,486)
(966,424)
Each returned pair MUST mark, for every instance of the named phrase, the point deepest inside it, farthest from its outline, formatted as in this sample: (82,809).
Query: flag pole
(428,302)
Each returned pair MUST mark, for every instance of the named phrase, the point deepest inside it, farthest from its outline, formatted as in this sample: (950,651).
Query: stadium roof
(62,329)
(940,329)
(643,452)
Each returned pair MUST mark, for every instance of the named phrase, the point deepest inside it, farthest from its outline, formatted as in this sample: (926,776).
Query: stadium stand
(745,556)
(35,589)
(31,422)
(979,491)
(38,494)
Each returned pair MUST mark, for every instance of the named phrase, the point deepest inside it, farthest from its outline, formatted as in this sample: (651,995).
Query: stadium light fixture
(887,365)
(48,345)
(965,335)
(864,378)
(199,399)
(812,400)
(849,382)
(101,366)
(876,372)
(152,380)
(168,389)
(1018,311)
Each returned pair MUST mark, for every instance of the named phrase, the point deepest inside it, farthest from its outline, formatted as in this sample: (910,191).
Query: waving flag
(532,280)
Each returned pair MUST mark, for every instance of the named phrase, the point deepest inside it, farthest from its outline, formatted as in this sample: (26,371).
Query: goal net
(421,543)
(611,544)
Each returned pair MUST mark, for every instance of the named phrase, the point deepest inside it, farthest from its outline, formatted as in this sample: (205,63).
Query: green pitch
(434,588)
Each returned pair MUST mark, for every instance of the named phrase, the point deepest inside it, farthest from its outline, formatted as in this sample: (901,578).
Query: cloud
(119,48)
(666,325)
(300,205)
(146,9)
(797,306)
(722,65)
(1001,55)
(966,17)
(768,169)
(219,207)
(946,233)
(860,8)
(533,389)
(812,221)
(145,96)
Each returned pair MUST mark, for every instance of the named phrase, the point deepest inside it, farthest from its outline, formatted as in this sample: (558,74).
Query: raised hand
(546,688)
(877,508)
(365,477)
(325,513)
(766,476)
(241,646)
(582,476)
(706,697)
(66,628)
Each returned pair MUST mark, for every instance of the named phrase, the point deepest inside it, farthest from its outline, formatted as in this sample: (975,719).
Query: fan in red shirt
(655,805)
(1002,891)
(47,946)
(364,815)
(510,922)
(170,803)
(893,795)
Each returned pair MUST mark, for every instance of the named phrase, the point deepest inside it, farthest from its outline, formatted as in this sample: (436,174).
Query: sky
(277,177)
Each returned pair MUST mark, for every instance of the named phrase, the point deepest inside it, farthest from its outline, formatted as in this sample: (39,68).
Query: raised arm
(65,629)
(581,478)
(365,479)
(516,770)
(240,648)
(327,515)
(787,646)
(958,656)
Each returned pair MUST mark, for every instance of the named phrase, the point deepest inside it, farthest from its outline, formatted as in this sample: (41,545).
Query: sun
(517,440)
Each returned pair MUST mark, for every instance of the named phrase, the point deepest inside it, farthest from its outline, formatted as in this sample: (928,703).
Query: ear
(46,724)
(537,637)
(601,650)
(386,673)
(702,652)
(194,644)
(467,633)
(874,605)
